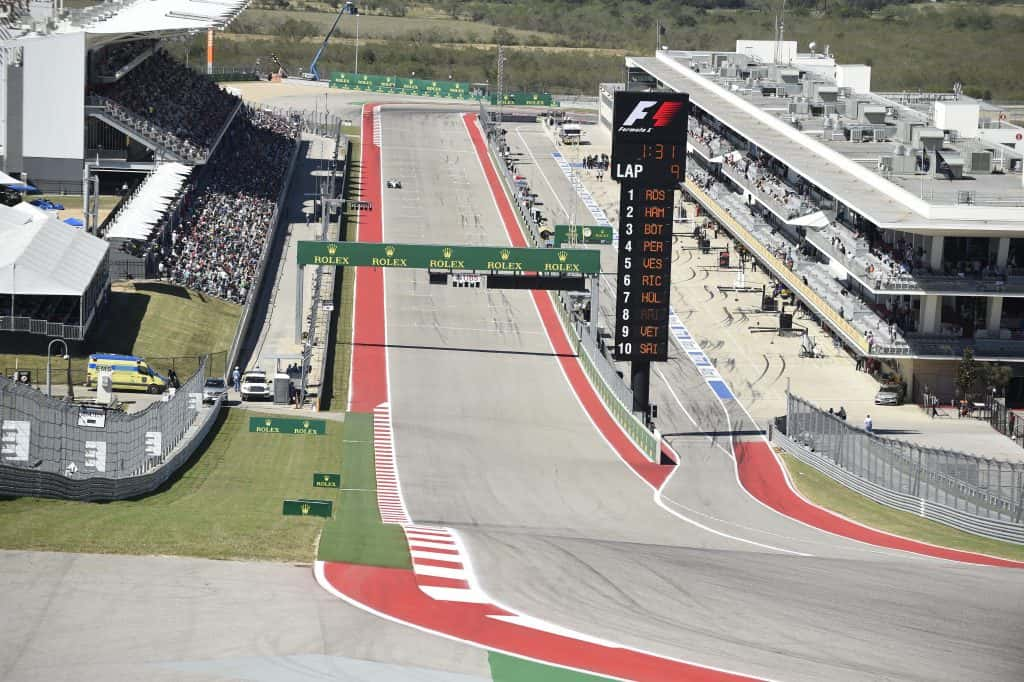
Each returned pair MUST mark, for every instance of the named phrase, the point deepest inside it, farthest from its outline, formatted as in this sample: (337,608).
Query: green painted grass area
(225,505)
(155,320)
(505,668)
(823,491)
(356,534)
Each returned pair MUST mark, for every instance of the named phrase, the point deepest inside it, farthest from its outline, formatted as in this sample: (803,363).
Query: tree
(967,374)
(996,377)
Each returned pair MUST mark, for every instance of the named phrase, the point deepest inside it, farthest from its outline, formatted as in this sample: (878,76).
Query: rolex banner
(291,427)
(583,234)
(440,257)
(307,508)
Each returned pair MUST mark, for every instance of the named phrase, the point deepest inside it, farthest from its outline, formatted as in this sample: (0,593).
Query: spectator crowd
(217,245)
(173,97)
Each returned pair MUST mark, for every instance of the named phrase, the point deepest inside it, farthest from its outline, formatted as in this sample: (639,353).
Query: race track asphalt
(82,617)
(491,441)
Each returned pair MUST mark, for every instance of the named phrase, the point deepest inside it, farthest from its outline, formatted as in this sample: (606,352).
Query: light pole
(67,356)
(357,41)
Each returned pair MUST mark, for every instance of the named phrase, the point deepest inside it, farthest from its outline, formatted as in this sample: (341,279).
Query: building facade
(896,218)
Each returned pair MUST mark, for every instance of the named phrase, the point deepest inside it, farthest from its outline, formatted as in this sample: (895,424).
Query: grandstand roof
(43,256)
(147,16)
(149,203)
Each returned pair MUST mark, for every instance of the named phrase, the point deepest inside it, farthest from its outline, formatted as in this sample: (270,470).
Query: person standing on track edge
(236,379)
(868,424)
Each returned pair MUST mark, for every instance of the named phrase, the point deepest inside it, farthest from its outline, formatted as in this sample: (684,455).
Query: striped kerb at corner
(389,495)
(437,561)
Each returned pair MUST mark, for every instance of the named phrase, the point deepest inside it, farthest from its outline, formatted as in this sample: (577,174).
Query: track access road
(491,441)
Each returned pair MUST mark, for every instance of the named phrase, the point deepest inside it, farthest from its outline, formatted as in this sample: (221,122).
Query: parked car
(255,385)
(214,389)
(890,394)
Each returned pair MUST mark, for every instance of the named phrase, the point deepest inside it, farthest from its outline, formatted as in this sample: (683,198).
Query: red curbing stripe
(653,473)
(763,477)
(437,550)
(435,581)
(369,378)
(393,592)
(438,563)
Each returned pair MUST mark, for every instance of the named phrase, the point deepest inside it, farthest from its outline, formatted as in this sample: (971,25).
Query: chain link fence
(986,488)
(47,445)
(183,366)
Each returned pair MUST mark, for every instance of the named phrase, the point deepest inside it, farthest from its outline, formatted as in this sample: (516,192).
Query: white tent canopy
(817,220)
(43,256)
(148,205)
(143,16)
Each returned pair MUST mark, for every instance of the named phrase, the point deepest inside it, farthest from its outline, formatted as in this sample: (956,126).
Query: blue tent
(20,187)
(74,222)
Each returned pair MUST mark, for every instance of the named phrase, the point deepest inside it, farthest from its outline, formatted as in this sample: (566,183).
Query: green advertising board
(291,427)
(324,508)
(582,234)
(326,480)
(405,86)
(525,99)
(440,257)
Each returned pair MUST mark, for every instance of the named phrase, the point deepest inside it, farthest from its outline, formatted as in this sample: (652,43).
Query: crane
(313,74)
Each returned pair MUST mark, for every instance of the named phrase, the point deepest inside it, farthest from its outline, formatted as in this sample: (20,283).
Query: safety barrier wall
(254,292)
(602,375)
(44,439)
(992,528)
(778,268)
(988,489)
(319,323)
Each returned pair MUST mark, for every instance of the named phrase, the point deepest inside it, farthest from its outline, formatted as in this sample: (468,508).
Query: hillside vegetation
(571,45)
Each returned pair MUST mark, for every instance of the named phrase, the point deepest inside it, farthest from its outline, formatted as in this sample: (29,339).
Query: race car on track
(394,183)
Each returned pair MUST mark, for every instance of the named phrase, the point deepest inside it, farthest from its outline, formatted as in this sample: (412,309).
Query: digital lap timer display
(654,164)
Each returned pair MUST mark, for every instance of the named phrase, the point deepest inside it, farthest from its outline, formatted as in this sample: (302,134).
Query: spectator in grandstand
(173,97)
(218,245)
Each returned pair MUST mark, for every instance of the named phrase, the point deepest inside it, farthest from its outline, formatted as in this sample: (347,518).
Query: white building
(898,218)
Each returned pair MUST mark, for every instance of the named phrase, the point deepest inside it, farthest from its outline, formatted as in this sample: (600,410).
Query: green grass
(225,505)
(154,320)
(356,534)
(340,352)
(505,668)
(823,491)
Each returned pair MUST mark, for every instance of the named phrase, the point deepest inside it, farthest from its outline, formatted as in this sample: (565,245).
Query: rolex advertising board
(441,257)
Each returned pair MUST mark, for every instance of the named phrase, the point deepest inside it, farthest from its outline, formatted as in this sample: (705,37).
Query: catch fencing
(977,494)
(610,386)
(53,448)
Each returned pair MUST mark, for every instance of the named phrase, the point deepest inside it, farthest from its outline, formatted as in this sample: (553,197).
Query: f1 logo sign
(650,116)
(662,116)
(639,111)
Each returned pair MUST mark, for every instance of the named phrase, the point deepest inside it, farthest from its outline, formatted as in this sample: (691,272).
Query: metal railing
(988,489)
(779,269)
(613,392)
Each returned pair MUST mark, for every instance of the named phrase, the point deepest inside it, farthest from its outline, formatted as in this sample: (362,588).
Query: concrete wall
(13,119)
(54,104)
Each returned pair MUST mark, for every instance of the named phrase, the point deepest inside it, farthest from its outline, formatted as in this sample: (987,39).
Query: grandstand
(93,97)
